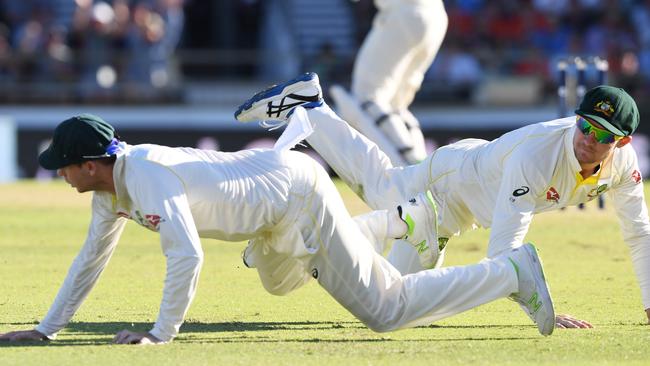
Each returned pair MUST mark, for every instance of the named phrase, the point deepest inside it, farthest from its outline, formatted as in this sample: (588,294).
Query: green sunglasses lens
(602,136)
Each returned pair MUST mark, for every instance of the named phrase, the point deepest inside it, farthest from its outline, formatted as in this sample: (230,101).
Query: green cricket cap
(76,139)
(611,107)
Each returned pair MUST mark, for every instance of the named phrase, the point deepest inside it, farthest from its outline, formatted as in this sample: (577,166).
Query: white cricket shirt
(500,184)
(183,194)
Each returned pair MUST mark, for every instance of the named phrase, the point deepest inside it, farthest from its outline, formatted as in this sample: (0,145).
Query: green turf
(234,321)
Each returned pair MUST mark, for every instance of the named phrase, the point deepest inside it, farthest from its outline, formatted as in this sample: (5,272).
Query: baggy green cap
(77,139)
(611,107)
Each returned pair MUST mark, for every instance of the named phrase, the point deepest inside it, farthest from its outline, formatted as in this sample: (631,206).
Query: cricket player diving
(282,202)
(501,184)
(388,71)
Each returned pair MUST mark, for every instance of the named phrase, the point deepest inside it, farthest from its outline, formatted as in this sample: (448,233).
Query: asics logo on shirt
(520,191)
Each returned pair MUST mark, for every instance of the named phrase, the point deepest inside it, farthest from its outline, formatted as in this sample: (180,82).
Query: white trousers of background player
(389,69)
(318,238)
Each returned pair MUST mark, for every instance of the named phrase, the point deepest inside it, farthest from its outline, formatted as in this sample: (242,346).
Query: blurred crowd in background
(126,51)
(77,50)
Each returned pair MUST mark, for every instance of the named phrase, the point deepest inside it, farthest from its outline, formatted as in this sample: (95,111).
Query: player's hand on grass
(647,313)
(568,321)
(23,335)
(129,337)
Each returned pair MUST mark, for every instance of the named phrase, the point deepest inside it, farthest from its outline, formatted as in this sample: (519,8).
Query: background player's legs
(420,60)
(384,57)
(380,63)
(431,21)
(390,67)
(417,137)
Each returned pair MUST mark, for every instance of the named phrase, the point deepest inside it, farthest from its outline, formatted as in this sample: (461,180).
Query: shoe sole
(286,87)
(542,289)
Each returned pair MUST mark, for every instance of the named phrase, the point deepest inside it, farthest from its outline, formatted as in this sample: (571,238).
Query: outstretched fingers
(23,335)
(568,321)
(129,337)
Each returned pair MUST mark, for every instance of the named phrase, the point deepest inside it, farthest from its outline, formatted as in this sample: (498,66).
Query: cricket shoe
(278,102)
(421,218)
(533,296)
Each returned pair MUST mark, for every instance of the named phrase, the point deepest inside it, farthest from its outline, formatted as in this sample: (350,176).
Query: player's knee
(277,291)
(283,286)
(277,288)
(389,320)
(382,325)
(418,26)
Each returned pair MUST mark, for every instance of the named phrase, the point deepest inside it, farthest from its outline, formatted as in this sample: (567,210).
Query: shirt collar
(118,175)
(570,151)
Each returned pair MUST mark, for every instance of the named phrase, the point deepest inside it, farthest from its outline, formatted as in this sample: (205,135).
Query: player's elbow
(197,259)
(194,257)
(187,261)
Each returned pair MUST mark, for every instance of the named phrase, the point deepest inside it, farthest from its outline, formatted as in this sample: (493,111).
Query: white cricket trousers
(362,165)
(369,172)
(345,264)
(401,45)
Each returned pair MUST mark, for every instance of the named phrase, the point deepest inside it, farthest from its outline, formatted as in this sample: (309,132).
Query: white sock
(397,228)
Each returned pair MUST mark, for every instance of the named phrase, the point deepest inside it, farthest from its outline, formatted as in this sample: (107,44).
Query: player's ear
(90,166)
(624,141)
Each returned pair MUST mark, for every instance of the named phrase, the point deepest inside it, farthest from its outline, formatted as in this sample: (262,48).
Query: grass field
(234,321)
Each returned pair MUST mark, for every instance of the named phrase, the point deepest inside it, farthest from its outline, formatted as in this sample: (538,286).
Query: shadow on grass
(231,340)
(101,333)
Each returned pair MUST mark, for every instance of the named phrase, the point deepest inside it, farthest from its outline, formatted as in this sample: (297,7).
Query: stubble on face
(75,176)
(588,150)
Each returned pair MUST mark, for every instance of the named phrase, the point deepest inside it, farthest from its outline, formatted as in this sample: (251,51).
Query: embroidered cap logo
(605,107)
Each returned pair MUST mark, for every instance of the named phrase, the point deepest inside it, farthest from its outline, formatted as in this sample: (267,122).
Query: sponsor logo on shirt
(520,191)
(636,176)
(123,214)
(151,222)
(552,195)
(596,191)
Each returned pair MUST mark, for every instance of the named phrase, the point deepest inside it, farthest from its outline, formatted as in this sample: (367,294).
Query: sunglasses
(602,136)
